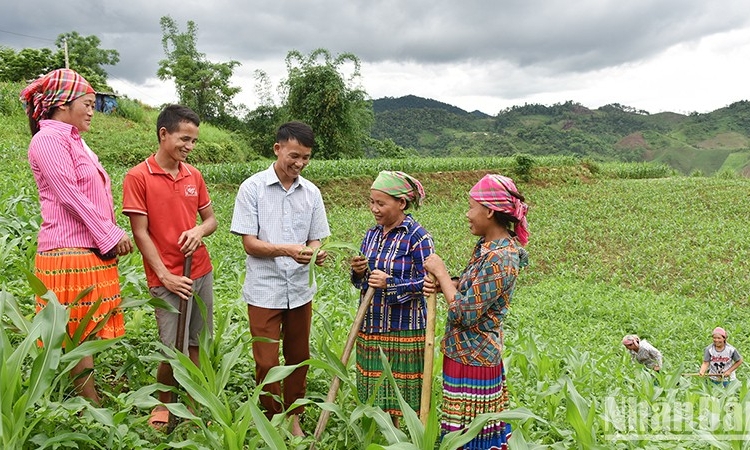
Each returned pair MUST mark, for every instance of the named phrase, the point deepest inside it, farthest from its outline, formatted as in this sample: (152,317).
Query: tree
(388,149)
(25,65)
(86,58)
(201,84)
(259,125)
(337,110)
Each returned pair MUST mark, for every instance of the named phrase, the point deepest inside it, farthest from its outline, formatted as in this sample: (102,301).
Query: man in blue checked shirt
(281,218)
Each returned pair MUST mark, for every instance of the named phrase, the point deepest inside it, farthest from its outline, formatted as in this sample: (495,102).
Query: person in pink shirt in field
(79,240)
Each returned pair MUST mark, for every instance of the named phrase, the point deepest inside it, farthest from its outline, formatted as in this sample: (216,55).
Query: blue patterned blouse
(400,254)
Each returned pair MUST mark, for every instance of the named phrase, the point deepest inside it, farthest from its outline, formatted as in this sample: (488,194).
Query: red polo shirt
(172,206)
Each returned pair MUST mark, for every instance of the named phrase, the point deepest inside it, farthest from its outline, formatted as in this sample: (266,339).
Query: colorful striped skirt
(67,272)
(472,390)
(405,352)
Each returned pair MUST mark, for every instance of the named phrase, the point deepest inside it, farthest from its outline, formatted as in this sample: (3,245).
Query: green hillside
(615,248)
(697,143)
(702,144)
(126,137)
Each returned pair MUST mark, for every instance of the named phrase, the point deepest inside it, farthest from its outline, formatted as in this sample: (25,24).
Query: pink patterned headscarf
(493,191)
(720,331)
(53,89)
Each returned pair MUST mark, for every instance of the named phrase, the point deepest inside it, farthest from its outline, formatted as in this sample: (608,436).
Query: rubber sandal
(159,418)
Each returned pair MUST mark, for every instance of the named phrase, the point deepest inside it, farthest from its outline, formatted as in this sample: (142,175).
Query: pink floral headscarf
(494,192)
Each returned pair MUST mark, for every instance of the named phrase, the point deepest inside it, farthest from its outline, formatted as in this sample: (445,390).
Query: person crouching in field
(473,372)
(720,359)
(643,352)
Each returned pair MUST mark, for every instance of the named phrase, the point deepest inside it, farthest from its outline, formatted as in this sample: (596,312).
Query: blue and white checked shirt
(263,208)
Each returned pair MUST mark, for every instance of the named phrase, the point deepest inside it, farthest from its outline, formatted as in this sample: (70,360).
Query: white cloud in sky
(656,55)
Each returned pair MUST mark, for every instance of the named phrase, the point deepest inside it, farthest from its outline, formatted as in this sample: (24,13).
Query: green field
(614,249)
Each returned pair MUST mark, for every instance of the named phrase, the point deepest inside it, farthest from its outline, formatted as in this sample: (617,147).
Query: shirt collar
(155,169)
(488,246)
(405,224)
(60,126)
(273,179)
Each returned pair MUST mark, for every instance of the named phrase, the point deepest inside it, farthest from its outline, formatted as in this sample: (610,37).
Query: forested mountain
(700,143)
(414,102)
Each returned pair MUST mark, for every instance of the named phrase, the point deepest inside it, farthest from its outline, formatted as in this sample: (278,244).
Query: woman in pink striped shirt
(78,241)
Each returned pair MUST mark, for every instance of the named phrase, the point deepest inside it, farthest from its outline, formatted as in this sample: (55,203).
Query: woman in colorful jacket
(473,372)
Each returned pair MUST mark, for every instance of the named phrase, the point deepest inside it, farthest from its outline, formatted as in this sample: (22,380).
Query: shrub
(727,174)
(591,165)
(524,164)
(216,152)
(130,109)
(9,103)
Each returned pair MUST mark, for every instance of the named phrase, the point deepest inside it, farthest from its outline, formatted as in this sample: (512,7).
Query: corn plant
(35,392)
(426,437)
(333,248)
(49,367)
(21,394)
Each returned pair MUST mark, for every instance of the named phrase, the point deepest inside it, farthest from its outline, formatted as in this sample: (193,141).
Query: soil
(633,140)
(437,185)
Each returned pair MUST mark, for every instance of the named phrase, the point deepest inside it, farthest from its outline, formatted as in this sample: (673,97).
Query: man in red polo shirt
(163,197)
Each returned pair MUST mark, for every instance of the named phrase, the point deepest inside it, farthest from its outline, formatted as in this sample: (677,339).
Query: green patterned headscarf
(400,185)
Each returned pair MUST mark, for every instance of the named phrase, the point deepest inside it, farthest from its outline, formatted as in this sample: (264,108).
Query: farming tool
(710,375)
(331,397)
(179,339)
(429,356)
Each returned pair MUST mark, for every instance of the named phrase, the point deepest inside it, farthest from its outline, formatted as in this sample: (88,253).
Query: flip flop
(159,418)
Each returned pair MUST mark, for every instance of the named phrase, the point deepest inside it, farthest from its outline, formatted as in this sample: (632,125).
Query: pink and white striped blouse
(74,191)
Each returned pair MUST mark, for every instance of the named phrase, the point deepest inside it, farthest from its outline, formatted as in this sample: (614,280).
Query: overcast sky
(487,55)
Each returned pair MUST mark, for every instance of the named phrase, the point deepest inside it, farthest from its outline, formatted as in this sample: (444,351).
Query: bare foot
(296,428)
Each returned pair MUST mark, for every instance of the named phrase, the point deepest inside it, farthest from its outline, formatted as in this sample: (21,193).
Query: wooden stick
(331,397)
(714,375)
(429,356)
(179,339)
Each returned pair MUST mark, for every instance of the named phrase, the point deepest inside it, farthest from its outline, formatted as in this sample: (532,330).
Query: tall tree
(25,65)
(86,58)
(318,93)
(201,84)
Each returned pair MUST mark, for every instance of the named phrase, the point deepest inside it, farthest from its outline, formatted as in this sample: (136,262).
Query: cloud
(497,50)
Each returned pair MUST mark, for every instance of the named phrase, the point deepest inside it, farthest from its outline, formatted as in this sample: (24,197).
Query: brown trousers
(293,327)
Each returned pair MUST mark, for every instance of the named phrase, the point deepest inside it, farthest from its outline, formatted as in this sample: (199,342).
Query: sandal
(159,418)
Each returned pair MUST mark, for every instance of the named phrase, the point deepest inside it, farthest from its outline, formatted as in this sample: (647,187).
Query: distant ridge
(696,144)
(413,102)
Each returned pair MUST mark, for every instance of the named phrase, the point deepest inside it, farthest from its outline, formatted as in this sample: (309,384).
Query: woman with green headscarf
(394,251)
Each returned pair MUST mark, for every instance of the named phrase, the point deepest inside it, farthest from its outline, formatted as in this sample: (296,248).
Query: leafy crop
(615,249)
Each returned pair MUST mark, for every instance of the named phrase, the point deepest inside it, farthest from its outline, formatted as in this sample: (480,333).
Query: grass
(615,249)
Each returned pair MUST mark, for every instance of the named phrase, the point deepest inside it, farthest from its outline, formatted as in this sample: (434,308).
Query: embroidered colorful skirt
(67,272)
(405,352)
(472,390)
